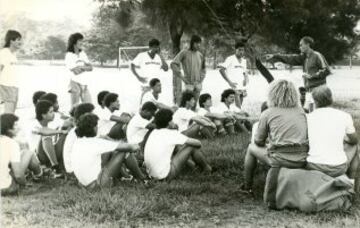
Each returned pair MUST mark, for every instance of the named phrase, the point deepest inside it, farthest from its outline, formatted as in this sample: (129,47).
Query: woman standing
(78,64)
(9,91)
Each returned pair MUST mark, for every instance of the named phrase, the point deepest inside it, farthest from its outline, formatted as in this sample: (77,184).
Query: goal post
(128,53)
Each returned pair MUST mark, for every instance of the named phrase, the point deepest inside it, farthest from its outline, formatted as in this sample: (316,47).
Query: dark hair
(240,44)
(101,96)
(322,96)
(308,40)
(149,106)
(11,35)
(163,118)
(7,122)
(72,111)
(42,107)
(83,108)
(194,39)
(226,94)
(203,98)
(73,39)
(264,106)
(86,124)
(36,96)
(154,43)
(52,97)
(185,97)
(110,98)
(153,82)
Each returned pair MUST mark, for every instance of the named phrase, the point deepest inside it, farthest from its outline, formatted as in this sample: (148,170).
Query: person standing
(315,67)
(148,65)
(193,65)
(234,72)
(78,64)
(9,90)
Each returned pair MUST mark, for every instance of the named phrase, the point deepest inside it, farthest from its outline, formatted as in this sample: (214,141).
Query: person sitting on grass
(329,152)
(41,138)
(89,167)
(113,122)
(141,123)
(101,101)
(153,95)
(228,107)
(14,162)
(264,106)
(161,160)
(207,110)
(189,122)
(71,137)
(283,124)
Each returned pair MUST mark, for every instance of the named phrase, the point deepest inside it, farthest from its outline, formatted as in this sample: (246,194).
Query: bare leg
(252,155)
(111,169)
(192,131)
(207,132)
(85,95)
(353,159)
(133,166)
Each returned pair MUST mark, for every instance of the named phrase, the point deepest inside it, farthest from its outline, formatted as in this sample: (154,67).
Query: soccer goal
(128,53)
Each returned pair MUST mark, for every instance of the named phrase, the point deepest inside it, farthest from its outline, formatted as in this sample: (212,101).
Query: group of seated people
(99,145)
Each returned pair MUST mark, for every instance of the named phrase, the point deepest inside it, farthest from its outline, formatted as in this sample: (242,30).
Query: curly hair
(283,94)
(86,125)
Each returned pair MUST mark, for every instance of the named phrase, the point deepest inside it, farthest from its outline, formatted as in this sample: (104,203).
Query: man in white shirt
(154,94)
(240,120)
(9,91)
(207,110)
(147,65)
(61,121)
(234,71)
(86,158)
(14,161)
(71,137)
(329,129)
(189,122)
(160,160)
(141,123)
(41,141)
(113,122)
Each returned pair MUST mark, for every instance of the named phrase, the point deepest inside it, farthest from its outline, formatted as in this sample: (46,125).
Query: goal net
(128,53)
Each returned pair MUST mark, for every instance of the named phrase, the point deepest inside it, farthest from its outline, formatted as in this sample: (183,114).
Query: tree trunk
(176,31)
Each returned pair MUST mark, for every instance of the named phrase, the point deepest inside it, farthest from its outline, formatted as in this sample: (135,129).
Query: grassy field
(194,200)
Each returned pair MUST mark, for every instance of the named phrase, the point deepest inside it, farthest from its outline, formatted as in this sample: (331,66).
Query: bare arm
(226,78)
(176,66)
(126,147)
(133,70)
(351,139)
(123,118)
(193,142)
(45,131)
(164,65)
(203,121)
(293,59)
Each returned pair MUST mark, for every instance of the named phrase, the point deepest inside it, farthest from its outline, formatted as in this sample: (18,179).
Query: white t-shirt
(68,148)
(73,60)
(8,75)
(159,149)
(148,96)
(136,129)
(57,123)
(9,152)
(203,111)
(86,157)
(222,108)
(105,124)
(182,118)
(149,68)
(34,139)
(327,128)
(235,70)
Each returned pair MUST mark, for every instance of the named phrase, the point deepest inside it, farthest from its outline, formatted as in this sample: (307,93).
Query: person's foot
(56,174)
(37,177)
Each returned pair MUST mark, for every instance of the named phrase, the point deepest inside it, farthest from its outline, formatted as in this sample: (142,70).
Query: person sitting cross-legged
(113,122)
(283,124)
(167,151)
(87,163)
(14,160)
(189,122)
(207,110)
(332,138)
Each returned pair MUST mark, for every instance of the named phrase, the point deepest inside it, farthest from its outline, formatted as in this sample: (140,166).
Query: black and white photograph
(180,113)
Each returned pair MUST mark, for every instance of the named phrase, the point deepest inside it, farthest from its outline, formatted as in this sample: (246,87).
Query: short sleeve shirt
(9,74)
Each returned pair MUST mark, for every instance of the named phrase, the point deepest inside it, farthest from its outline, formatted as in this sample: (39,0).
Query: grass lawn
(194,200)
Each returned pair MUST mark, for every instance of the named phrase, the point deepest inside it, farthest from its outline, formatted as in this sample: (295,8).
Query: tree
(53,47)
(280,22)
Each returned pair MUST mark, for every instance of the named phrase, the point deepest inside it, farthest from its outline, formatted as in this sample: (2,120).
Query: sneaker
(55,174)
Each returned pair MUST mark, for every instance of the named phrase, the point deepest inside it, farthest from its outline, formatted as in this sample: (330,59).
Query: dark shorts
(9,93)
